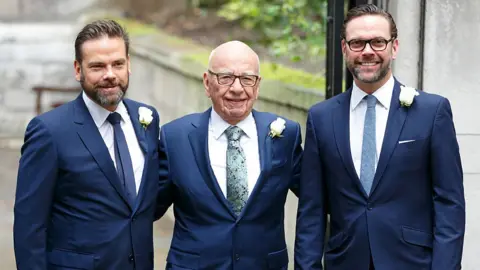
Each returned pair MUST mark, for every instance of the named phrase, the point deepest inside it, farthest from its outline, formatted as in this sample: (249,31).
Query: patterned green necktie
(237,185)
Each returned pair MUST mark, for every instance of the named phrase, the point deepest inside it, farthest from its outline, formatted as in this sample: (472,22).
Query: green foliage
(289,27)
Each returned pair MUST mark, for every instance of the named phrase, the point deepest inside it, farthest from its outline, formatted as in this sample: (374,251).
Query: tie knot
(233,133)
(114,118)
(371,101)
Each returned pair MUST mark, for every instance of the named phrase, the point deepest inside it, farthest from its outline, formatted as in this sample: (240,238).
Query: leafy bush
(290,27)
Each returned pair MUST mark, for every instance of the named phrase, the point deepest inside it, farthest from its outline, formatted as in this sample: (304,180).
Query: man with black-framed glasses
(227,172)
(383,160)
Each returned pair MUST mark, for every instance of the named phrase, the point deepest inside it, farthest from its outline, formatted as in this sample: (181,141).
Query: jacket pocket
(183,259)
(412,147)
(278,259)
(417,237)
(71,259)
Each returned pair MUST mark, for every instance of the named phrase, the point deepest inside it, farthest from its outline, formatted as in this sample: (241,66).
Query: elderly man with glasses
(227,172)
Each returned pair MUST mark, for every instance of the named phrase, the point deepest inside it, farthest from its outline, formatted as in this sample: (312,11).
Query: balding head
(233,51)
(232,80)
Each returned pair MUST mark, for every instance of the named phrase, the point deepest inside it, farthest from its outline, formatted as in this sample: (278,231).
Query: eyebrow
(91,64)
(98,63)
(120,61)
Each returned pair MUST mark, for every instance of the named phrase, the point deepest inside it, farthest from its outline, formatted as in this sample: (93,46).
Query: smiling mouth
(236,101)
(368,64)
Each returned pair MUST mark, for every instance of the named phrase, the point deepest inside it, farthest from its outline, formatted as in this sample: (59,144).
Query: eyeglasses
(229,79)
(377,44)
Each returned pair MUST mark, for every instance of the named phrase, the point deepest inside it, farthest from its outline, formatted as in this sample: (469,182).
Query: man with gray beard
(88,174)
(383,160)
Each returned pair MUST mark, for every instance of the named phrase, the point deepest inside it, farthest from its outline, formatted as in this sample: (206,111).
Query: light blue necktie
(369,146)
(237,184)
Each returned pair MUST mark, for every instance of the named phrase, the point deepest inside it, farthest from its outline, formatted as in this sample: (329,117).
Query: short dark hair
(98,29)
(368,9)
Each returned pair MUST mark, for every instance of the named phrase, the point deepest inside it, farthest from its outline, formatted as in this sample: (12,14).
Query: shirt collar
(100,114)
(383,94)
(218,125)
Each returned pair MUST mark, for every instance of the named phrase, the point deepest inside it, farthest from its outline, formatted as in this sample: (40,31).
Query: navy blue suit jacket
(71,211)
(414,217)
(207,234)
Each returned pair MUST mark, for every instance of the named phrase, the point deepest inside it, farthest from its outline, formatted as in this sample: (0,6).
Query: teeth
(368,64)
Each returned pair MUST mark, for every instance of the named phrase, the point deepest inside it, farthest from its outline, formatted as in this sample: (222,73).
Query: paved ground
(9,154)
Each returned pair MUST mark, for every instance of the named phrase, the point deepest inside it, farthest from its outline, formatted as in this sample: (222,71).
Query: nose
(368,49)
(109,73)
(236,86)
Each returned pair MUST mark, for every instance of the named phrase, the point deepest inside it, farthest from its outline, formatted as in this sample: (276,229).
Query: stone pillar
(407,16)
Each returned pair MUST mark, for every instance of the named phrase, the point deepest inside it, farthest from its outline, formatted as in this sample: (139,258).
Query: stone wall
(36,45)
(41,10)
(32,54)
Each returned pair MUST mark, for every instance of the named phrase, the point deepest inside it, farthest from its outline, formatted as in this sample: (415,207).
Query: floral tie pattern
(237,185)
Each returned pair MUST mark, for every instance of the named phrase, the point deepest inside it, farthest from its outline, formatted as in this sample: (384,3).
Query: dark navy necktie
(122,158)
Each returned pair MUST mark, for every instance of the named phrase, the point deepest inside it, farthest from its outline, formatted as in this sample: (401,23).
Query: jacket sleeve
(165,194)
(448,192)
(36,179)
(311,215)
(297,161)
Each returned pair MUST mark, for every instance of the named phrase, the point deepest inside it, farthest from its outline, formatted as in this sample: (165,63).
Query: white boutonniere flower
(407,94)
(277,127)
(145,116)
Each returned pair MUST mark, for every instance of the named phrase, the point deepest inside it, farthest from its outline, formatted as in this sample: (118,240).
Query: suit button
(237,257)
(130,257)
(134,219)
(369,208)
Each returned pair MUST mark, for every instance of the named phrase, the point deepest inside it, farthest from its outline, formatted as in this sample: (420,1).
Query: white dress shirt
(217,149)
(358,108)
(99,115)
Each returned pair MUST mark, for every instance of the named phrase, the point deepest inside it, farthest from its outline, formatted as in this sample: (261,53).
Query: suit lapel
(395,122)
(341,128)
(262,121)
(90,136)
(199,142)
(141,134)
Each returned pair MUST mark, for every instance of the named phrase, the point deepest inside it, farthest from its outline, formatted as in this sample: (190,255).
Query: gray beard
(100,99)
(380,75)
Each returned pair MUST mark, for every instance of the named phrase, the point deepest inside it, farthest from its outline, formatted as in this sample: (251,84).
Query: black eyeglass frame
(367,41)
(235,78)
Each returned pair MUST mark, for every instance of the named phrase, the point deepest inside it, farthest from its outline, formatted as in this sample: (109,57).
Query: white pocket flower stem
(407,95)
(277,127)
(145,116)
